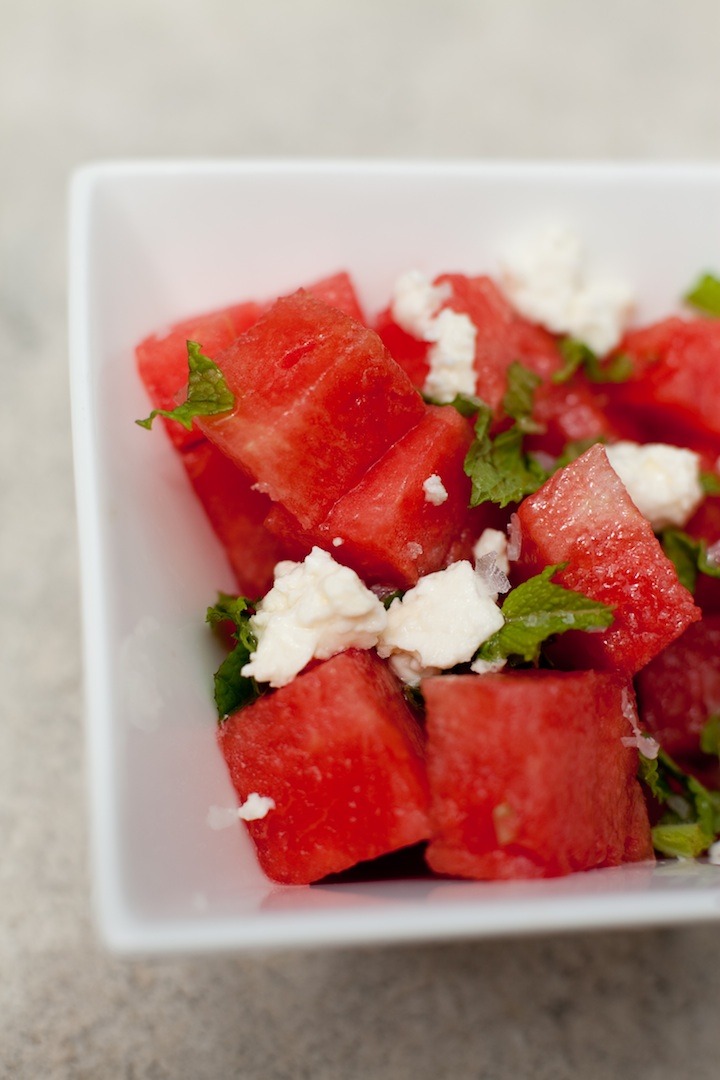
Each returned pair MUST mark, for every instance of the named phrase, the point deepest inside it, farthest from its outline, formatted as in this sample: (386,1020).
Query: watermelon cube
(318,401)
(680,688)
(583,516)
(676,380)
(162,359)
(237,513)
(341,755)
(391,528)
(529,776)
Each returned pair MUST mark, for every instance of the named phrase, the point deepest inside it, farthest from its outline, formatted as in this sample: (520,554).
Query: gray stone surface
(89,79)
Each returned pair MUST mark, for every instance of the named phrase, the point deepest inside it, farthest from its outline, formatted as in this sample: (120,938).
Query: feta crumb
(439,623)
(255,807)
(338,541)
(416,302)
(663,481)
(543,276)
(487,667)
(417,308)
(714,853)
(435,490)
(493,541)
(315,609)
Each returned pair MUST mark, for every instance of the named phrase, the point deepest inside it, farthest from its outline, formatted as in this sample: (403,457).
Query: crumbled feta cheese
(663,481)
(417,308)
(714,853)
(452,357)
(439,623)
(648,747)
(435,491)
(543,277)
(315,609)
(338,541)
(493,541)
(255,807)
(487,667)
(416,302)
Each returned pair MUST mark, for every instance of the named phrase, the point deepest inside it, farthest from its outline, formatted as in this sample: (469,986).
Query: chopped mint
(233,690)
(519,396)
(207,393)
(705,295)
(710,736)
(576,355)
(500,470)
(688,555)
(539,609)
(466,404)
(709,482)
(692,821)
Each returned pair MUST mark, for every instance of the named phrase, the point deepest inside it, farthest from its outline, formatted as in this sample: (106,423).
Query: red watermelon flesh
(341,755)
(584,516)
(391,532)
(318,400)
(680,688)
(163,362)
(385,528)
(502,336)
(676,381)
(529,776)
(237,513)
(339,292)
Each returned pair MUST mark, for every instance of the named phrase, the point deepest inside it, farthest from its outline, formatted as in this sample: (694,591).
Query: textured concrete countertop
(90,79)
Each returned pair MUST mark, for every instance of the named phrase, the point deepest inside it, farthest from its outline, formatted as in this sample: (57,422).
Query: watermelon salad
(476,540)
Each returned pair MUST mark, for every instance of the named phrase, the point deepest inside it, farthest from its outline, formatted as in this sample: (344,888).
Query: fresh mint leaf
(207,393)
(688,555)
(539,609)
(519,396)
(679,840)
(233,690)
(710,736)
(466,404)
(500,470)
(692,821)
(705,295)
(709,482)
(576,355)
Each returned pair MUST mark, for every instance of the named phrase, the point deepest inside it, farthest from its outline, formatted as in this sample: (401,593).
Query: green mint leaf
(705,295)
(576,355)
(710,736)
(689,557)
(466,404)
(233,690)
(679,840)
(207,394)
(500,470)
(692,822)
(389,597)
(539,609)
(519,396)
(709,482)
(683,552)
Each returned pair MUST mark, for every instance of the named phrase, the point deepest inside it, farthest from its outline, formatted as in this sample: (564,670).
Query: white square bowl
(154,242)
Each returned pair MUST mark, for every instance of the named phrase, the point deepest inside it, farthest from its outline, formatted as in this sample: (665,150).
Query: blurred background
(84,80)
